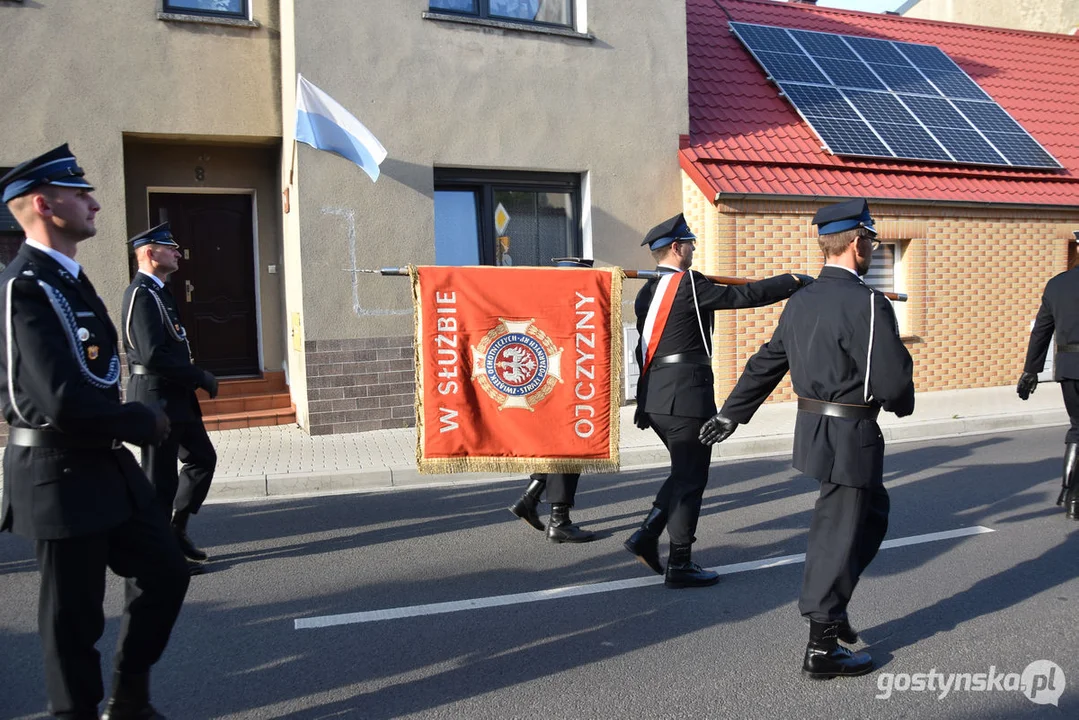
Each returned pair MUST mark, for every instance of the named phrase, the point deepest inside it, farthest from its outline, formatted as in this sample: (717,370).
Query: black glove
(209,384)
(1026,385)
(717,429)
(641,419)
(804,280)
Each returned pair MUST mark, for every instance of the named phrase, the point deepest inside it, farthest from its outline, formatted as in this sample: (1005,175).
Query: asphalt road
(993,602)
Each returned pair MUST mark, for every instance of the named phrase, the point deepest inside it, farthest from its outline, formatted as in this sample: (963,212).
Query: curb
(400,477)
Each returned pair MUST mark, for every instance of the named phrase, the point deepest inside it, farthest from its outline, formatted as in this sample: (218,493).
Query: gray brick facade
(360,384)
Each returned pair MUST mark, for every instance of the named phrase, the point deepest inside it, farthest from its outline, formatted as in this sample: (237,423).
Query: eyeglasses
(872,240)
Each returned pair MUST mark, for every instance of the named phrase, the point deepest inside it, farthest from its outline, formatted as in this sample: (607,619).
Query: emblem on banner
(516,364)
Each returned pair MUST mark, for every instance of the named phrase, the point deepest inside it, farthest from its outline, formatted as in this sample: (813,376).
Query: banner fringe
(435,466)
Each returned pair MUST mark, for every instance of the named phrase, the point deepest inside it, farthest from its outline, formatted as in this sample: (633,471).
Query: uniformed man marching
(561,487)
(675,317)
(71,486)
(159,358)
(840,341)
(1059,314)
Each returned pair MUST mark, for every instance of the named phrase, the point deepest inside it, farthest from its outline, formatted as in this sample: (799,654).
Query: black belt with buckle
(137,369)
(839,410)
(684,359)
(1068,348)
(30,437)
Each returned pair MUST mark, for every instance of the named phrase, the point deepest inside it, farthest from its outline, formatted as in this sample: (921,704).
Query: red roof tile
(745,139)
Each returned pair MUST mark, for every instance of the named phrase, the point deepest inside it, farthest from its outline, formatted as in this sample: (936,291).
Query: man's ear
(41,205)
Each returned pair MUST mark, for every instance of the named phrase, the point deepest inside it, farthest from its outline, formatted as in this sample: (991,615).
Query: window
(881,275)
(502,218)
(886,274)
(547,12)
(221,8)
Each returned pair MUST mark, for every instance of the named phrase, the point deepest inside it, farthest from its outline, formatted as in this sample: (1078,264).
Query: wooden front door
(215,285)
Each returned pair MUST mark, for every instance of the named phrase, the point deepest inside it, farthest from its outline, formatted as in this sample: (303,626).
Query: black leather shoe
(525,508)
(644,543)
(130,699)
(187,547)
(682,572)
(825,658)
(562,529)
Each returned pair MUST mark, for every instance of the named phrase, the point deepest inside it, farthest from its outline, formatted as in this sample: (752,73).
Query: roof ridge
(816,9)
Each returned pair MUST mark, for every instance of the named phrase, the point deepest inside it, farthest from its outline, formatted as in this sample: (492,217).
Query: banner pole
(648,275)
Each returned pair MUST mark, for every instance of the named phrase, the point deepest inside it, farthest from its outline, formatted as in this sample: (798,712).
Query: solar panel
(883,98)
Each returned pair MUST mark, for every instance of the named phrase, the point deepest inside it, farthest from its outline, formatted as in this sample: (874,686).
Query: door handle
(188,289)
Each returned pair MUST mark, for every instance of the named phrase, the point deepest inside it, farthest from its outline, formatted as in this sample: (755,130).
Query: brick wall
(974,276)
(361,384)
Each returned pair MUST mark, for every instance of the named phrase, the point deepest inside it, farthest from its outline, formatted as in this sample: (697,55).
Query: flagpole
(647,275)
(292,167)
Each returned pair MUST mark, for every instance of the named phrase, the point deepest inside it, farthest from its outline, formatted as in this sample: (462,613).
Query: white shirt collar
(155,278)
(66,263)
(669,267)
(844,267)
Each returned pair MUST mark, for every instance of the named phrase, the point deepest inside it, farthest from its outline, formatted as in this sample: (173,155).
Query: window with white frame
(885,274)
(214,8)
(542,12)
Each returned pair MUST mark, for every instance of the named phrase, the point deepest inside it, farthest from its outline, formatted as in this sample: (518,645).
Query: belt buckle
(116,444)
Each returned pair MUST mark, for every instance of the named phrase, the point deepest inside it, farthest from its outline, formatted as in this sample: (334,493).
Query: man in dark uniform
(71,485)
(840,341)
(1059,313)
(162,374)
(561,487)
(675,393)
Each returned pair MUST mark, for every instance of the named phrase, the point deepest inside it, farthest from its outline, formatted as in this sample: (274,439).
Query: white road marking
(603,587)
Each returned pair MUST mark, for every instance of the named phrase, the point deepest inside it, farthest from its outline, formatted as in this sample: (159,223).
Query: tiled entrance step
(248,402)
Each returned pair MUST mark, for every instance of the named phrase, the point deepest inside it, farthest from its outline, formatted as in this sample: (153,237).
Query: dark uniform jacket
(823,338)
(687,390)
(155,338)
(64,374)
(1058,313)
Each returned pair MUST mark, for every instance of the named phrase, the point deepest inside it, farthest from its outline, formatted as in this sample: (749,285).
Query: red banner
(517,369)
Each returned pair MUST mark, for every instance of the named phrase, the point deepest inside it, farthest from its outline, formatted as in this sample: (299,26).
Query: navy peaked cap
(844,216)
(56,167)
(667,232)
(573,262)
(157,235)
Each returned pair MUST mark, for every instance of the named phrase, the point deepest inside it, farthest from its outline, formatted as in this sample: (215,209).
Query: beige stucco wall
(88,72)
(439,94)
(1055,16)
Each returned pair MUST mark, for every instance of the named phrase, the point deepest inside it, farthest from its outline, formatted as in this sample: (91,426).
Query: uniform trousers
(1070,390)
(845,533)
(561,487)
(70,614)
(683,491)
(186,489)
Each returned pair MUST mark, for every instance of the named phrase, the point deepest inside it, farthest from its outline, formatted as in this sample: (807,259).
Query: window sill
(507,25)
(207,20)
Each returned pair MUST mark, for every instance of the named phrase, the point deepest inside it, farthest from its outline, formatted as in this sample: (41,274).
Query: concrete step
(232,404)
(270,383)
(248,402)
(251,419)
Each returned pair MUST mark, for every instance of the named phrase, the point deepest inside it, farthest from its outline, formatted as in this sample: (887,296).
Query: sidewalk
(282,461)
